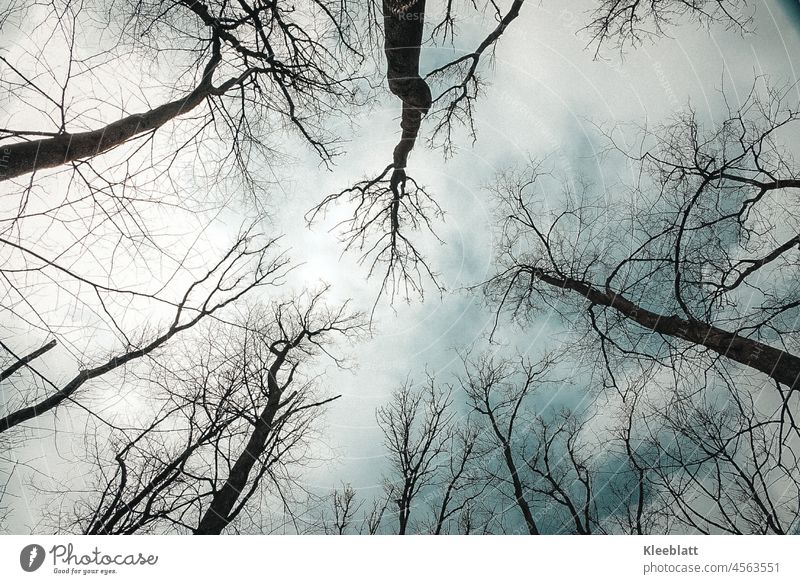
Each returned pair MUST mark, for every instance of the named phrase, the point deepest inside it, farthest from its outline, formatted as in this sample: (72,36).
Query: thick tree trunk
(26,157)
(779,365)
(403,518)
(218,514)
(402,44)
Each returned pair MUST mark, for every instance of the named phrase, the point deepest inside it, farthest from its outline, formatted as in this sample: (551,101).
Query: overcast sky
(546,91)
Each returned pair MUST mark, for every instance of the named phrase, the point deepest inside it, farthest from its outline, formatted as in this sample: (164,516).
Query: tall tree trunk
(511,465)
(519,495)
(779,365)
(26,157)
(218,515)
(403,28)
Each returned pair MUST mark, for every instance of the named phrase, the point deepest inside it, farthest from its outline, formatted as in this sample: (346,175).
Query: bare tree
(345,511)
(681,284)
(373,517)
(242,64)
(699,266)
(418,428)
(390,206)
(495,393)
(632,506)
(164,117)
(459,81)
(345,507)
(685,275)
(689,456)
(249,264)
(460,486)
(671,455)
(727,463)
(578,470)
(235,415)
(214,84)
(463,468)
(632,22)
(562,473)
(377,230)
(303,331)
(150,108)
(385,204)
(544,459)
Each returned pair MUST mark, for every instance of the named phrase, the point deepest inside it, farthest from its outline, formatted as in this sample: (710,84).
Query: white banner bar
(389,559)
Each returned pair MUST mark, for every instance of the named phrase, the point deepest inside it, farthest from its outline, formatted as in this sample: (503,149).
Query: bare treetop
(621,23)
(241,69)
(699,248)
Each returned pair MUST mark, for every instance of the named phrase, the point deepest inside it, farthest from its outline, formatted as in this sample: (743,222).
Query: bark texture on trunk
(403,27)
(26,157)
(220,512)
(781,366)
